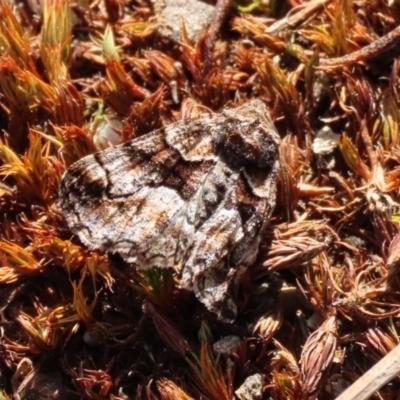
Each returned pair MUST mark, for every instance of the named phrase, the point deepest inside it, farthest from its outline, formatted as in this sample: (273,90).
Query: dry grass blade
(380,374)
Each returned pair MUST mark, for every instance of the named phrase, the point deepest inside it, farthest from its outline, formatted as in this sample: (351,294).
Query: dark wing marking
(198,193)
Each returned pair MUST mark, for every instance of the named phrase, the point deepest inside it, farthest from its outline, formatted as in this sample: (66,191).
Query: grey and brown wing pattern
(198,193)
(123,199)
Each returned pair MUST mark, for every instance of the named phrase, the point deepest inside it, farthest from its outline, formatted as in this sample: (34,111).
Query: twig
(380,374)
(373,49)
(297,16)
(221,11)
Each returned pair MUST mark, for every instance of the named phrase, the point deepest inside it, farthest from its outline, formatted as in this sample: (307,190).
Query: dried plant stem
(373,49)
(297,16)
(221,11)
(380,374)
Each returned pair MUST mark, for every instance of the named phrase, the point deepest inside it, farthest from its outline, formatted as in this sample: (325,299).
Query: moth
(196,194)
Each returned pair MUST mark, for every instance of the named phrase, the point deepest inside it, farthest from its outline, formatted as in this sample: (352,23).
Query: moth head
(249,137)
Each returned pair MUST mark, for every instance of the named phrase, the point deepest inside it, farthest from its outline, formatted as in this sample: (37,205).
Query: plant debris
(321,304)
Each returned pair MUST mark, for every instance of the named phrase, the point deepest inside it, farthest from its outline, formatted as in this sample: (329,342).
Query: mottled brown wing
(132,199)
(228,241)
(199,193)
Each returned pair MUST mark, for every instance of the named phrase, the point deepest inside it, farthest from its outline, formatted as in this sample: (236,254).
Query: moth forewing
(197,193)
